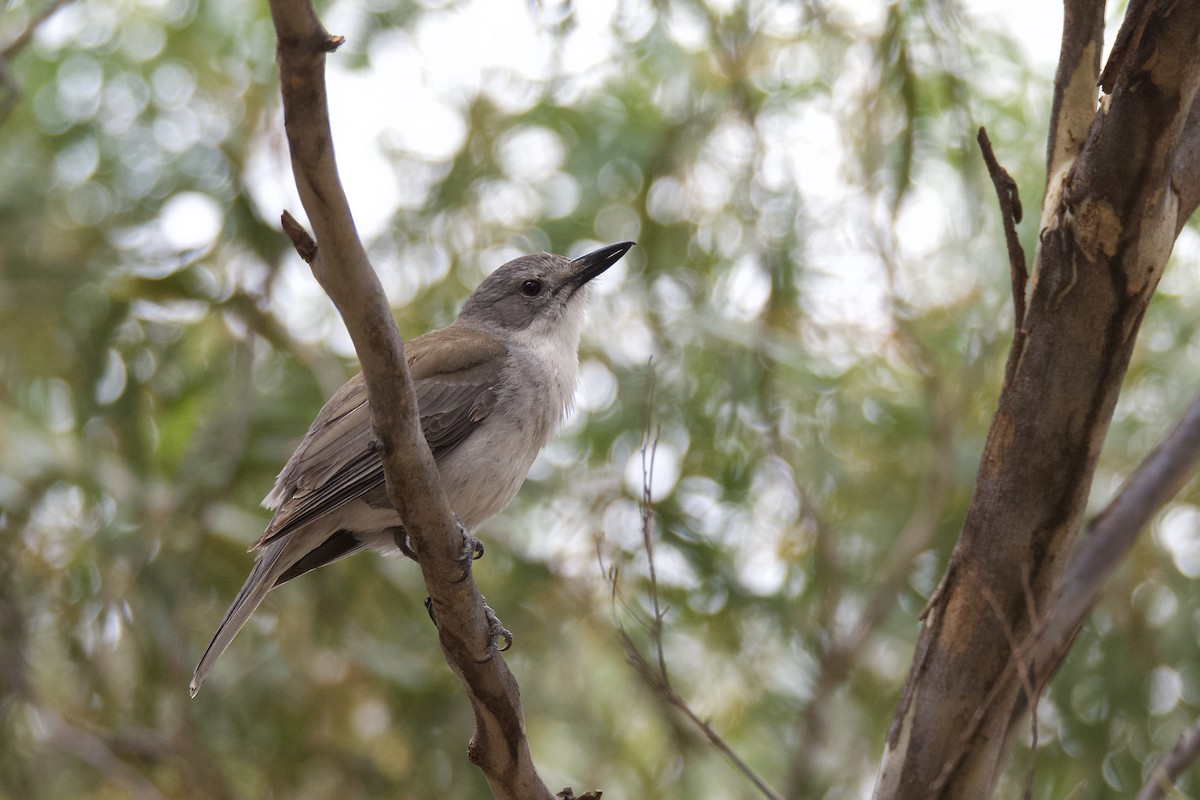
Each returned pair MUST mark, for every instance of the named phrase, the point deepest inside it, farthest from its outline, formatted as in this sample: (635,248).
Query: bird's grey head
(540,293)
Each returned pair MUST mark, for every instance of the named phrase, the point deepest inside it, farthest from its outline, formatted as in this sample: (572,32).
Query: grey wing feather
(335,463)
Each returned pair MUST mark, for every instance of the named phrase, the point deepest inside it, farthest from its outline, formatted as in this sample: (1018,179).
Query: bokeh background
(819,300)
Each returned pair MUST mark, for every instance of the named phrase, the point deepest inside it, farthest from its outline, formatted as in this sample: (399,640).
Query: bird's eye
(531,288)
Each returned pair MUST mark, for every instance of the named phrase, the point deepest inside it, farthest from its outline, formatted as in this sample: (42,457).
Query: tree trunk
(1114,203)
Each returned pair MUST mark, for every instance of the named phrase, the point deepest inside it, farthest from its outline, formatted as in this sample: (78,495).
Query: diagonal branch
(1172,765)
(1112,534)
(655,675)
(341,266)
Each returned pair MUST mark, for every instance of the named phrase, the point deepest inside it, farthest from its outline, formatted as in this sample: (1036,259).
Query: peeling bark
(1109,221)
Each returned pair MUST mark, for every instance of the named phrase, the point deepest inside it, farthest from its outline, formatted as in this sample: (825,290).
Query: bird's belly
(484,473)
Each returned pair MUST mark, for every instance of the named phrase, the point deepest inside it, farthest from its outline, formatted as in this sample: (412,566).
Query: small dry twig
(655,675)
(1011,213)
(1172,765)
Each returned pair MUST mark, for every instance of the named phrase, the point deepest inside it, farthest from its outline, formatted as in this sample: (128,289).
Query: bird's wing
(456,375)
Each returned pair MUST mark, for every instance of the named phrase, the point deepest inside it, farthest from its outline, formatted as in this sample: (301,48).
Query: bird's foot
(497,633)
(472,551)
(499,638)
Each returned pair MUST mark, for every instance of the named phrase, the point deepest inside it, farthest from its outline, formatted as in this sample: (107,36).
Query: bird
(492,388)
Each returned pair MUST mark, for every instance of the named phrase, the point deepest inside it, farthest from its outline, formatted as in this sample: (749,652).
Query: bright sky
(498,45)
(481,42)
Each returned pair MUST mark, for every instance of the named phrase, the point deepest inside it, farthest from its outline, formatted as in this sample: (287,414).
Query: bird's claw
(400,537)
(472,551)
(496,633)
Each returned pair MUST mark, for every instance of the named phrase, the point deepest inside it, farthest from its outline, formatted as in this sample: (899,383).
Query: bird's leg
(497,633)
(472,550)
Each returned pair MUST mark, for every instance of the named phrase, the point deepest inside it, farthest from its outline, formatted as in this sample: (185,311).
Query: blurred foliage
(820,295)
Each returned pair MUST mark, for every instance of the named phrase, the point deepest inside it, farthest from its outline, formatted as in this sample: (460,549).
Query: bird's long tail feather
(258,583)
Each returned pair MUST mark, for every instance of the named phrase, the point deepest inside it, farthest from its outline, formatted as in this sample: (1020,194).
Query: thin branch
(1025,670)
(1172,765)
(1110,536)
(649,449)
(341,266)
(656,676)
(1010,213)
(658,683)
(1124,48)
(1015,658)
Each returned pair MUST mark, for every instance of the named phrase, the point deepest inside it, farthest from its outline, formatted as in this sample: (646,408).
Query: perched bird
(492,388)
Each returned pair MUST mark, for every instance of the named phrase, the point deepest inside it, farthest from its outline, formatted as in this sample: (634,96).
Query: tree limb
(1172,765)
(341,266)
(1108,225)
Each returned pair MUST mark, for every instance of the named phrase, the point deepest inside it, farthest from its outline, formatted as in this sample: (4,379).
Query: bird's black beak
(590,265)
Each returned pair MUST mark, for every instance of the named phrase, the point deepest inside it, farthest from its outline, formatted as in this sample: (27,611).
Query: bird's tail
(260,581)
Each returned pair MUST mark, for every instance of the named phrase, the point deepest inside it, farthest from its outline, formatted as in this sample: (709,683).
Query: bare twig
(968,733)
(1172,765)
(341,266)
(1010,212)
(649,449)
(656,681)
(655,675)
(306,246)
(1025,671)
